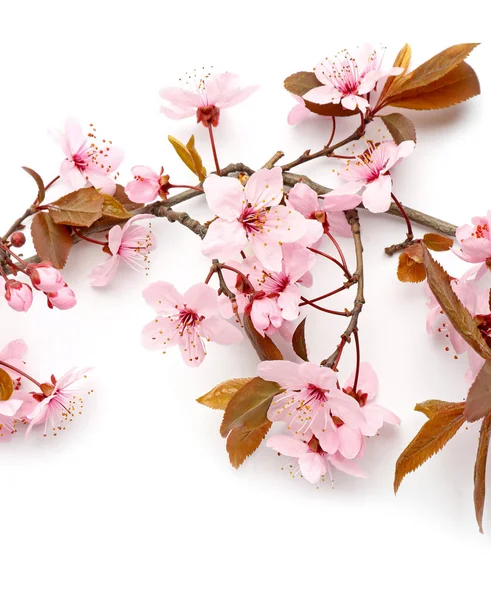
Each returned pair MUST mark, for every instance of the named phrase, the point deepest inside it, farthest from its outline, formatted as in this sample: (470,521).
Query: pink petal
(238,97)
(287,445)
(219,331)
(201,298)
(333,201)
(376,197)
(367,380)
(163,298)
(312,466)
(265,312)
(313,233)
(114,239)
(347,466)
(265,187)
(101,181)
(161,333)
(177,113)
(142,192)
(15,349)
(283,372)
(297,261)
(9,408)
(304,199)
(299,113)
(338,224)
(349,441)
(224,239)
(346,408)
(288,302)
(327,435)
(324,94)
(181,98)
(70,173)
(104,273)
(225,196)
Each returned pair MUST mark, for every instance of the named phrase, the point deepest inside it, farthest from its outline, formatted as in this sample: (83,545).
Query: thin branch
(273,160)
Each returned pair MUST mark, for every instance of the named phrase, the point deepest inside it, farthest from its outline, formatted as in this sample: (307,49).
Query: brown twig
(273,160)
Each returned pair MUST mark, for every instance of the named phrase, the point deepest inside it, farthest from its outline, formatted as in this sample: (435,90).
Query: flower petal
(163,298)
(225,196)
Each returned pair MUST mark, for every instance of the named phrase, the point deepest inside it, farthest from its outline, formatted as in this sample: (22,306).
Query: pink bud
(18,295)
(45,277)
(62,299)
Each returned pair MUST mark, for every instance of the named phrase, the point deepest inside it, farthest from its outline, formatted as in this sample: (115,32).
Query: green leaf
(298,341)
(459,316)
(222,393)
(400,127)
(430,439)
(249,406)
(6,385)
(51,241)
(478,403)
(242,442)
(39,182)
(81,208)
(183,153)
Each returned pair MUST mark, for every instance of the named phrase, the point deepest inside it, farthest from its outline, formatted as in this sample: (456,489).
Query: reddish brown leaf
(81,208)
(304,81)
(433,69)
(113,208)
(459,316)
(402,60)
(410,271)
(222,393)
(480,470)
(249,406)
(51,241)
(430,439)
(478,403)
(242,442)
(6,385)
(39,182)
(400,127)
(298,341)
(266,349)
(437,242)
(430,408)
(457,86)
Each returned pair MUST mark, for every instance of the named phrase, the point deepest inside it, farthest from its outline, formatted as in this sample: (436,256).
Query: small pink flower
(18,295)
(310,401)
(186,320)
(312,461)
(251,214)
(475,242)
(146,184)
(45,277)
(370,171)
(87,159)
(131,244)
(63,299)
(206,98)
(60,405)
(346,78)
(326,210)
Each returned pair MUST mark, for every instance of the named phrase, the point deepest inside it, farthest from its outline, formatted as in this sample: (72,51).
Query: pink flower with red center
(310,401)
(18,295)
(326,210)
(60,403)
(312,462)
(45,277)
(88,160)
(347,77)
(186,320)
(205,97)
(13,355)
(475,242)
(146,184)
(131,244)
(251,215)
(370,172)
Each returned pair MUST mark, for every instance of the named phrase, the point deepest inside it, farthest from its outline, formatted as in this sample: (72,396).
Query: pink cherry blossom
(60,406)
(13,355)
(370,172)
(45,277)
(63,299)
(130,244)
(18,295)
(251,214)
(326,210)
(475,242)
(312,461)
(87,158)
(309,401)
(146,184)
(205,97)
(8,422)
(347,77)
(186,320)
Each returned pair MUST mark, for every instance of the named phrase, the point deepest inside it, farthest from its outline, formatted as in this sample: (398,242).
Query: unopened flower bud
(63,299)
(18,295)
(18,239)
(45,277)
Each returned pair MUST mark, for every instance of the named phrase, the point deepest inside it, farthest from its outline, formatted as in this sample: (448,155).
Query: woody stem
(22,373)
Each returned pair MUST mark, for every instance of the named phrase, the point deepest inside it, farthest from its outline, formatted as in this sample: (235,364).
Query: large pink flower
(205,98)
(312,461)
(61,404)
(309,401)
(475,242)
(347,77)
(87,158)
(186,320)
(131,244)
(251,214)
(370,172)
(326,210)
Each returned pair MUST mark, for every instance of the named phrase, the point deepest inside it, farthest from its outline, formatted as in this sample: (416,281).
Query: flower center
(482,231)
(188,319)
(252,219)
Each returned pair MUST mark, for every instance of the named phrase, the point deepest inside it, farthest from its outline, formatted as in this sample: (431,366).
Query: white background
(137,499)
